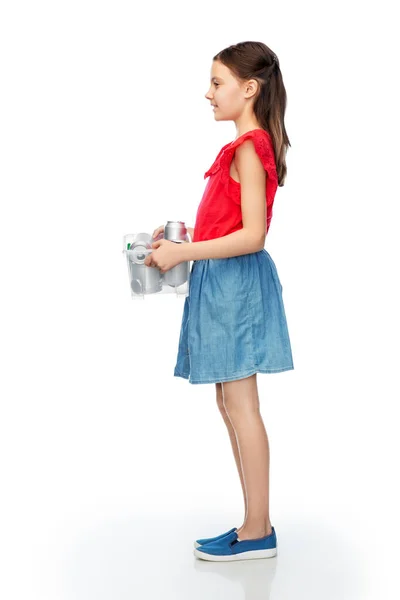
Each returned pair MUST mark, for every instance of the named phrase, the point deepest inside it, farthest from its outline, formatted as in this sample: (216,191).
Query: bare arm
(251,238)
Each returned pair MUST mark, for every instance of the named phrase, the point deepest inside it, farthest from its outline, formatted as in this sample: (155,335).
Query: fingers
(149,262)
(157,231)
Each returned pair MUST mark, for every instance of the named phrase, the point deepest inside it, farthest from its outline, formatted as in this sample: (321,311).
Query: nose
(207,95)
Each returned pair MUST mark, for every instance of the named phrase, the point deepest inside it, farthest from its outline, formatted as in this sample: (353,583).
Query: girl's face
(228,96)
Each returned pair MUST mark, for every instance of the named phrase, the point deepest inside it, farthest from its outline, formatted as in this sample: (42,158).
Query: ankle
(254,532)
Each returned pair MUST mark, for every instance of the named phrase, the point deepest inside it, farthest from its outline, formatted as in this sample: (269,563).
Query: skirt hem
(233,377)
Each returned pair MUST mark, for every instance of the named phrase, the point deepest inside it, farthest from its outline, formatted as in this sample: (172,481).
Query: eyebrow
(220,78)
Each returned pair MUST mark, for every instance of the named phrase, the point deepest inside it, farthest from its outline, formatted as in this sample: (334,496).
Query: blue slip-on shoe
(204,541)
(231,547)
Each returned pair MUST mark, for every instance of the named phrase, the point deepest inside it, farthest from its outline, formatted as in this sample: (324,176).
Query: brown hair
(254,60)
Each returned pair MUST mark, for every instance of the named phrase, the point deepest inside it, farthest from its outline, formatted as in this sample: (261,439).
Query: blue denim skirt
(234,322)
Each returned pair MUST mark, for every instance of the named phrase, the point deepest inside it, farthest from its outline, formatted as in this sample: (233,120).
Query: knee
(232,406)
(241,397)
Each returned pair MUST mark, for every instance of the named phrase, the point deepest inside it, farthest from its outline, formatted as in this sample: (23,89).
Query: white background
(110,465)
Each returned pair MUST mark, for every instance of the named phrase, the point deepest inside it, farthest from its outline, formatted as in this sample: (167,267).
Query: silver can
(176,231)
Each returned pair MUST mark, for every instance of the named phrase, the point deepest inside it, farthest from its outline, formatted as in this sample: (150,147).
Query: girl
(234,324)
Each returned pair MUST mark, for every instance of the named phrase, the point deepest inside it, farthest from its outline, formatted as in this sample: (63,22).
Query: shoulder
(259,139)
(247,161)
(254,150)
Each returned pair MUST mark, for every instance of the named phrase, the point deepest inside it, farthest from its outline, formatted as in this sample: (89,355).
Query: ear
(251,87)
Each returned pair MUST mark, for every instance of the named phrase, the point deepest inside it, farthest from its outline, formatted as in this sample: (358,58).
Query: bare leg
(232,436)
(243,410)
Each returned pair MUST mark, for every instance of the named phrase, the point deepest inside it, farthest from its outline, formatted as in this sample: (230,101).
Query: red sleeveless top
(219,212)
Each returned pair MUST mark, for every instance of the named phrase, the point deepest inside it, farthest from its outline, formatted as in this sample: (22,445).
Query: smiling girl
(234,324)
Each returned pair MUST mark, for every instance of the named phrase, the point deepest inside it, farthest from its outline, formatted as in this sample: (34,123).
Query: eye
(215,83)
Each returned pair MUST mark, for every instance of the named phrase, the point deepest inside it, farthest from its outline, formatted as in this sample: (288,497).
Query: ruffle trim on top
(264,148)
(216,164)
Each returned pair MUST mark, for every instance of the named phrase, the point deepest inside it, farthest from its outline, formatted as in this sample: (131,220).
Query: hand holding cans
(148,280)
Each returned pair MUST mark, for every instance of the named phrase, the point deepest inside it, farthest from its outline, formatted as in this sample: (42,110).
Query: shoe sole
(240,556)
